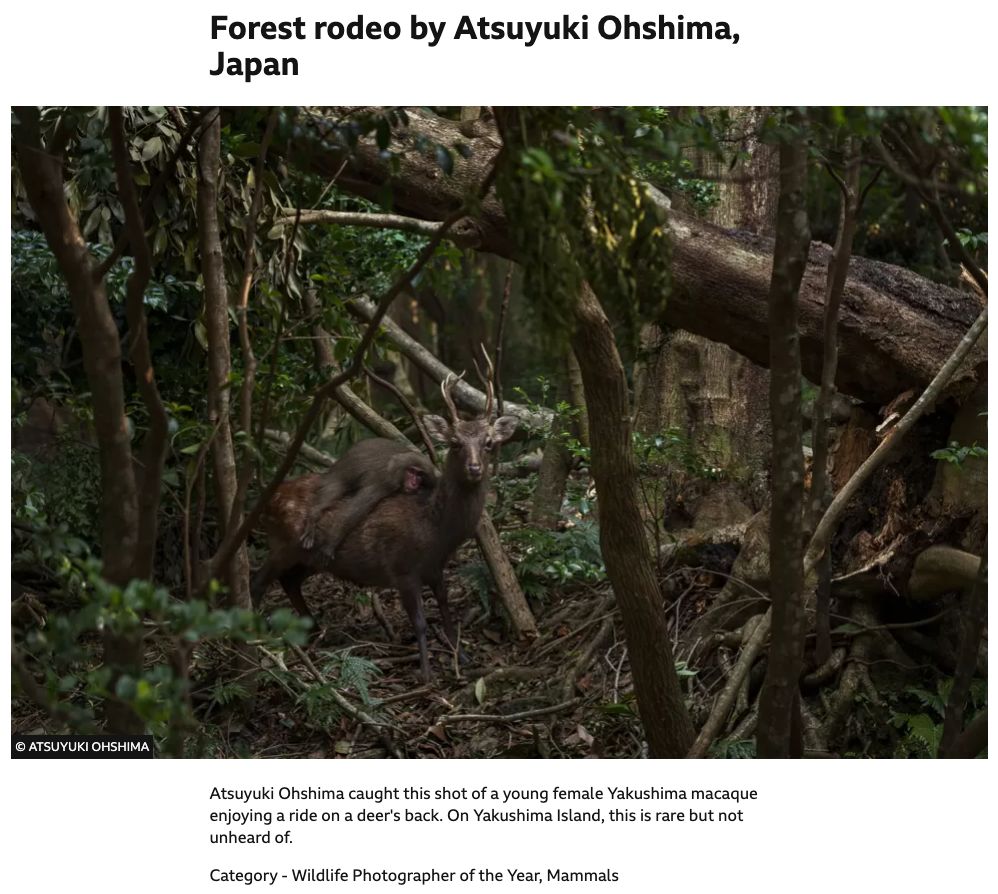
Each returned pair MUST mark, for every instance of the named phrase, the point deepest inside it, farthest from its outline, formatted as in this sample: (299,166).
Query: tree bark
(577,398)
(622,536)
(778,701)
(149,489)
(721,278)
(41,171)
(237,572)
(706,390)
(552,477)
(973,740)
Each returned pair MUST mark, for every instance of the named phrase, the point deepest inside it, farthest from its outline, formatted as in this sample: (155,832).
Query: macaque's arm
(401,475)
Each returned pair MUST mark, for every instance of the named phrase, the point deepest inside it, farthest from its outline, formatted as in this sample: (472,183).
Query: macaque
(368,472)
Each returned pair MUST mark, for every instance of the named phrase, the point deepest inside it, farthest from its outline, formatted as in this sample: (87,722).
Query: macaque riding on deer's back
(383,518)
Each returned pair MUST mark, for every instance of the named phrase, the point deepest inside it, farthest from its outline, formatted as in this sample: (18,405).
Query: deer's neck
(457,506)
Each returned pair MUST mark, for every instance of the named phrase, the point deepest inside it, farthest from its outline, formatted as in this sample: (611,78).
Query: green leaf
(92,221)
(159,242)
(152,148)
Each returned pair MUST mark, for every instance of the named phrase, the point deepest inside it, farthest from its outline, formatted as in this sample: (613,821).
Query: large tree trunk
(625,547)
(711,394)
(896,328)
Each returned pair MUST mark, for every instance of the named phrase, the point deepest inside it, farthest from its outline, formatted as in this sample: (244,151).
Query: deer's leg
(291,580)
(450,631)
(263,578)
(412,602)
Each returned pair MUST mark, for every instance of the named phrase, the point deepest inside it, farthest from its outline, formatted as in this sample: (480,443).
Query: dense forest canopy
(679,414)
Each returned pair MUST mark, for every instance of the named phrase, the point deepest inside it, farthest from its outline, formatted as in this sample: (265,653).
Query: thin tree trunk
(622,536)
(838,271)
(818,499)
(577,397)
(778,700)
(237,572)
(552,477)
(154,444)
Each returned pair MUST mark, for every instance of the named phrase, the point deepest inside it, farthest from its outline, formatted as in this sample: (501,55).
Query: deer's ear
(504,427)
(439,428)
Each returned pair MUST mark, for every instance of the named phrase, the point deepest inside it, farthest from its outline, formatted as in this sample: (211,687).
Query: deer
(406,540)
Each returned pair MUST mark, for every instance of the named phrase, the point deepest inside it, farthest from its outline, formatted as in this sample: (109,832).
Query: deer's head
(470,441)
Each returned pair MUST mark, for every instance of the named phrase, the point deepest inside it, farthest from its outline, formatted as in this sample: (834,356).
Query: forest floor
(568,693)
(510,700)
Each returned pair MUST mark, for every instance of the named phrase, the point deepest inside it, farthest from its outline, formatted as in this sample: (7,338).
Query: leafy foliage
(573,174)
(63,650)
(922,730)
(957,454)
(546,559)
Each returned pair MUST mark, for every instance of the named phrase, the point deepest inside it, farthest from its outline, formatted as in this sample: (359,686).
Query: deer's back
(403,539)
(397,541)
(285,515)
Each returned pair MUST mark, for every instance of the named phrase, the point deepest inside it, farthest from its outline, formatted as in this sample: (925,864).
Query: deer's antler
(447,389)
(487,383)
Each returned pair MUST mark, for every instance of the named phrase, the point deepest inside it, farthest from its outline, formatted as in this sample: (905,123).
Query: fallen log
(896,328)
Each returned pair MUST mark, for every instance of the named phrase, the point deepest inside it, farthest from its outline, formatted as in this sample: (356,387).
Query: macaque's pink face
(414,479)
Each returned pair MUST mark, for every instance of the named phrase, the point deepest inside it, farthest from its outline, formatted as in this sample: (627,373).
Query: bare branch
(466,395)
(462,233)
(408,407)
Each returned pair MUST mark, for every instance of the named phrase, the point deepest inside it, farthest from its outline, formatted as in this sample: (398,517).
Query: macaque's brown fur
(367,472)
